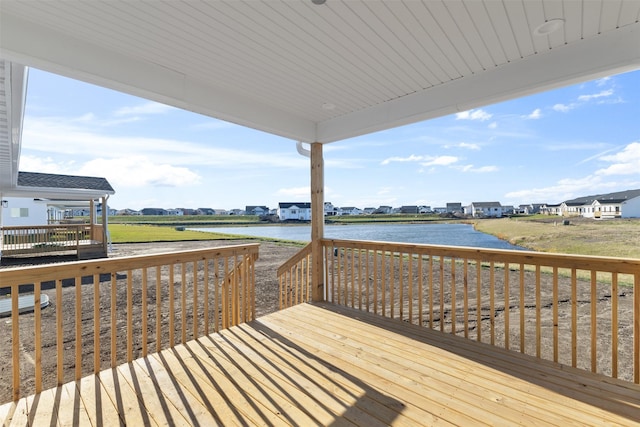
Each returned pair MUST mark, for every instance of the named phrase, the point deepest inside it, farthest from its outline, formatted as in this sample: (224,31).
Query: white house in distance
(299,211)
(256,210)
(485,209)
(621,204)
(329,209)
(349,210)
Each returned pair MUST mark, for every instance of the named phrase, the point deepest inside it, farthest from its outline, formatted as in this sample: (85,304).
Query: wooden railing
(47,238)
(97,233)
(581,311)
(294,277)
(106,312)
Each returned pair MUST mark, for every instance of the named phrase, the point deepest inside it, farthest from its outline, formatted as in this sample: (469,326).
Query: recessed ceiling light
(548,27)
(328,106)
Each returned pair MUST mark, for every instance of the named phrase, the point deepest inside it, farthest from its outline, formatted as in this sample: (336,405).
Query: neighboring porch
(83,240)
(349,368)
(407,334)
(37,219)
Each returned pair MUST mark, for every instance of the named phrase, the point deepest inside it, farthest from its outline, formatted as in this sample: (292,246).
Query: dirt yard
(272,255)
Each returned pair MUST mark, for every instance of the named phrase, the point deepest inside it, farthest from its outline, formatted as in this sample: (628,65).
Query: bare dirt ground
(272,255)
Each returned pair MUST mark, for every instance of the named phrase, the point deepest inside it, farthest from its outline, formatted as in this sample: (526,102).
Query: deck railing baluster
(78,326)
(96,323)
(545,284)
(127,291)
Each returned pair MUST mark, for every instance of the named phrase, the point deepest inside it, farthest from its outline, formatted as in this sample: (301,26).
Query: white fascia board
(18,97)
(56,193)
(611,53)
(15,89)
(22,41)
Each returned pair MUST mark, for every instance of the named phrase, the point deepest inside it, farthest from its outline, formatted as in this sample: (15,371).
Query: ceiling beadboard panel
(291,67)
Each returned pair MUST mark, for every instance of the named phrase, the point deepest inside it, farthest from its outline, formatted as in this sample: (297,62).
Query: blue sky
(546,148)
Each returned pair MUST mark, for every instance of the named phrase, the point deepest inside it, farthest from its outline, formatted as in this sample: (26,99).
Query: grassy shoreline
(617,238)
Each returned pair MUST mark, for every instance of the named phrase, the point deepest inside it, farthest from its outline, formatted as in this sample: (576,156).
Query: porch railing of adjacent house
(550,306)
(106,312)
(18,240)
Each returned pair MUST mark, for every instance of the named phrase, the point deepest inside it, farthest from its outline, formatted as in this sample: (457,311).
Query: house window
(19,212)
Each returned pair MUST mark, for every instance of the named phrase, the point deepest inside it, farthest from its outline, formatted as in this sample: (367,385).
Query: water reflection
(433,234)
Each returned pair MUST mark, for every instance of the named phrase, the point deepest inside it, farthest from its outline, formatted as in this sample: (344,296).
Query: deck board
(327,365)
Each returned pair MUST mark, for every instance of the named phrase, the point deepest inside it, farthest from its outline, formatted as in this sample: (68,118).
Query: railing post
(317,221)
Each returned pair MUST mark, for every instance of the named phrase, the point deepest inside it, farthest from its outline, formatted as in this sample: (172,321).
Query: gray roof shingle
(48,180)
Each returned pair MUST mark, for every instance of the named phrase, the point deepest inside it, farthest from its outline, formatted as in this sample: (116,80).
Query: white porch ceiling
(272,65)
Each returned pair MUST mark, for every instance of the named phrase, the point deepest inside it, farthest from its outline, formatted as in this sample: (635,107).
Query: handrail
(294,277)
(45,238)
(547,305)
(189,293)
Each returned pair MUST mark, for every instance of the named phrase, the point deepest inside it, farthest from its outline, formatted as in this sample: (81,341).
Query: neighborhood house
(294,211)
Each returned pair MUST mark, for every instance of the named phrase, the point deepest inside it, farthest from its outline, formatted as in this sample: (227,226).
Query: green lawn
(184,219)
(134,233)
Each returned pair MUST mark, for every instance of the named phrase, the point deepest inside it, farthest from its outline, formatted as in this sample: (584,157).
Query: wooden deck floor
(328,365)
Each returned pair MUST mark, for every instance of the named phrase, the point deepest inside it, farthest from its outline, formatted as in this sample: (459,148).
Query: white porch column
(317,221)
(1,226)
(105,224)
(92,217)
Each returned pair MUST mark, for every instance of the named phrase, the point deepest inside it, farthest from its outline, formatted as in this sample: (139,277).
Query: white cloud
(587,98)
(125,172)
(466,145)
(140,171)
(54,135)
(440,161)
(570,188)
(563,108)
(30,163)
(601,96)
(535,114)
(411,158)
(577,146)
(424,160)
(143,109)
(213,124)
(603,81)
(85,118)
(493,125)
(625,162)
(481,169)
(478,114)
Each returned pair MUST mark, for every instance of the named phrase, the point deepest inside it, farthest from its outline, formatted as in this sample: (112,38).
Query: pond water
(433,234)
